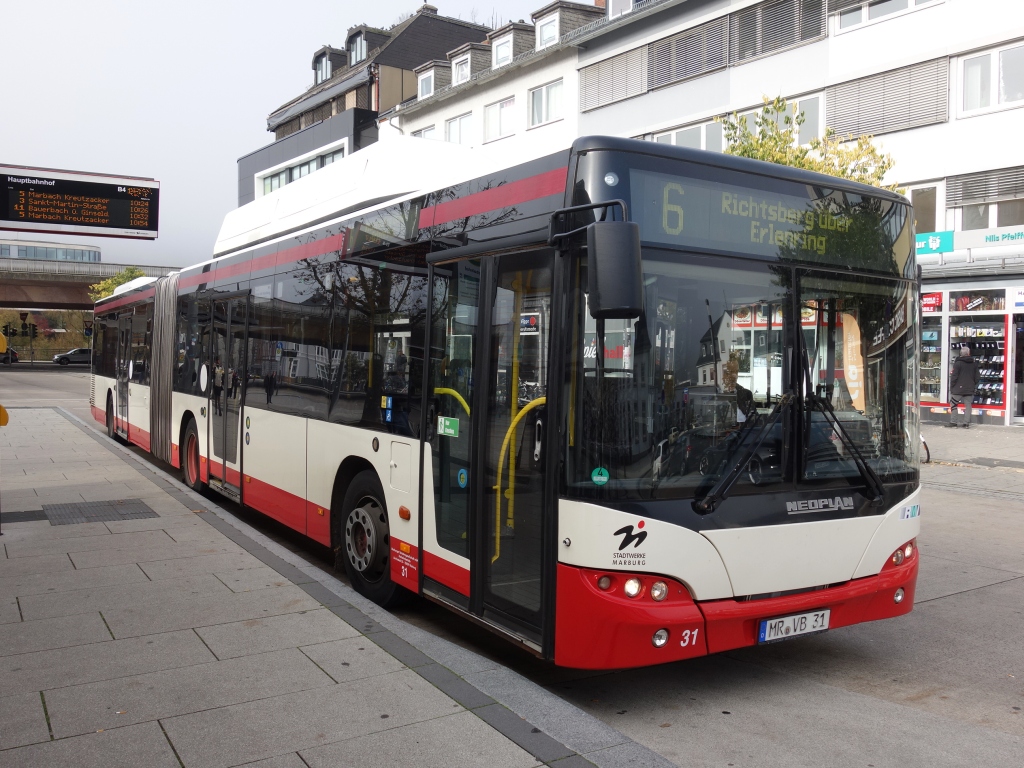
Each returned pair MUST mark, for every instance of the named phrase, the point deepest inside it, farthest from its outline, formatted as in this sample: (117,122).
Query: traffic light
(33,332)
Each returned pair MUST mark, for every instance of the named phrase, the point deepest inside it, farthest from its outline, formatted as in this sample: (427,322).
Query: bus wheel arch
(360,533)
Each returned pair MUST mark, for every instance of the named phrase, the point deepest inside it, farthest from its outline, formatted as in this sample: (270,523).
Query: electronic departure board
(67,202)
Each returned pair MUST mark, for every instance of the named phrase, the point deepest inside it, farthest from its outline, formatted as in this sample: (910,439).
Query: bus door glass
(227,387)
(124,373)
(515,396)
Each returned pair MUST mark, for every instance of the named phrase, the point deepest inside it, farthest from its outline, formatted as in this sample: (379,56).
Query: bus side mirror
(615,275)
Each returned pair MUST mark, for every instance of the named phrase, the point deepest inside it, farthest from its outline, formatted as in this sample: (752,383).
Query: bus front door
(123,373)
(227,391)
(514,517)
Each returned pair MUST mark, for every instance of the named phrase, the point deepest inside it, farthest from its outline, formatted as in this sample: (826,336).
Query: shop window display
(931,360)
(986,338)
(977,301)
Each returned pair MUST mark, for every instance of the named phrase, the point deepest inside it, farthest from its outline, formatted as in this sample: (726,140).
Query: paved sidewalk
(985,460)
(151,628)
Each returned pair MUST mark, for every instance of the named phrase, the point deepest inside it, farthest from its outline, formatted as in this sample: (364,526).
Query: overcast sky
(175,90)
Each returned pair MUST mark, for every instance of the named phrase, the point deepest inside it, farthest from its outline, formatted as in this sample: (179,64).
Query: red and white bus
(623,404)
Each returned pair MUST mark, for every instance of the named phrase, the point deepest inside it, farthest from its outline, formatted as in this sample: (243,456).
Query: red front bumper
(597,629)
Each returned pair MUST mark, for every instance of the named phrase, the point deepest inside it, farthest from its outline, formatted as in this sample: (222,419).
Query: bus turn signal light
(405,513)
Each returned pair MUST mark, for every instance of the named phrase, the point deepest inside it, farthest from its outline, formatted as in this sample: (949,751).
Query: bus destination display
(694,212)
(60,202)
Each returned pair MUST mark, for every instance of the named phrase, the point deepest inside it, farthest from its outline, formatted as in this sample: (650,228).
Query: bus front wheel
(362,542)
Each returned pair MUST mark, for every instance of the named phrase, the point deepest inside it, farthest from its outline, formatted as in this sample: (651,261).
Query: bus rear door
(227,357)
(123,373)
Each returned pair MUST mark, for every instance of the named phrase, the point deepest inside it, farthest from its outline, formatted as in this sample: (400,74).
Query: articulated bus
(623,404)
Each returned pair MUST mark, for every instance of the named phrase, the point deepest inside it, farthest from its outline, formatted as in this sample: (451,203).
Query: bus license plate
(785,627)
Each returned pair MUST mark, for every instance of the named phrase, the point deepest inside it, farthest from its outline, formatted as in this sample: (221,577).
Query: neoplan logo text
(839,503)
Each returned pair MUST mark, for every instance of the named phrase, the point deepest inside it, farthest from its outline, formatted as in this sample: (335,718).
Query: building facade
(336,115)
(43,251)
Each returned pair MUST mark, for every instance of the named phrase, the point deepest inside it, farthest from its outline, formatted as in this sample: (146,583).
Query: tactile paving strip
(97,511)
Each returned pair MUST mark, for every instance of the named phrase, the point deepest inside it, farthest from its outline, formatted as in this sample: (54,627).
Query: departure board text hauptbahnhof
(62,202)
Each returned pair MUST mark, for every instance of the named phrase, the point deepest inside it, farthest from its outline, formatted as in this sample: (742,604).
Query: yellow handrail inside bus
(455,394)
(501,461)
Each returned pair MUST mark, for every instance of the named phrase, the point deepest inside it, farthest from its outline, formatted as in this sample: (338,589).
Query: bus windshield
(776,359)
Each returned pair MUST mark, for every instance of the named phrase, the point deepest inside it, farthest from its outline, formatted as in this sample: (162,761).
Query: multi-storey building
(336,115)
(938,83)
(44,251)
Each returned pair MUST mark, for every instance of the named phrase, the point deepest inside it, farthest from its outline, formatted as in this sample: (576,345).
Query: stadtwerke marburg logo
(627,554)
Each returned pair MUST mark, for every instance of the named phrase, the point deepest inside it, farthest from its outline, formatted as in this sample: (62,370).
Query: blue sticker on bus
(463,477)
(387,414)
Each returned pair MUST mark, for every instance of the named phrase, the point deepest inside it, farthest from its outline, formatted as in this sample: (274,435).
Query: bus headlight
(909,549)
(659,591)
(632,587)
(605,583)
(898,597)
(898,557)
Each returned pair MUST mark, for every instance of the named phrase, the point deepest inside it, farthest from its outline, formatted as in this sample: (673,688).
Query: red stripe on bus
(138,436)
(513,193)
(445,572)
(405,564)
(286,508)
(124,300)
(100,415)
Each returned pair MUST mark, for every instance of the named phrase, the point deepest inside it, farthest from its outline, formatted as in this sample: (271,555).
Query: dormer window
(501,52)
(357,48)
(426,85)
(323,68)
(547,31)
(460,70)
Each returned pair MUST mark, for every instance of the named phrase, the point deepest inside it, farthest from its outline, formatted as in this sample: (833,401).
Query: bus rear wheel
(362,542)
(190,473)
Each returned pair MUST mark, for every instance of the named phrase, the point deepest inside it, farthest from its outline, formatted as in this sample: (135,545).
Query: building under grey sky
(173,91)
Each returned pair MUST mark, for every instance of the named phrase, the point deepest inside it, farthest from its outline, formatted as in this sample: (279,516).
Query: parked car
(80,355)
(9,357)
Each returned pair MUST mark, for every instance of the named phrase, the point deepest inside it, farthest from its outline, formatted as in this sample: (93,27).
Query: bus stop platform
(143,625)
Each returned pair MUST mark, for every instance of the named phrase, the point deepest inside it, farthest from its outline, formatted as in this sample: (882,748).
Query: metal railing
(75,268)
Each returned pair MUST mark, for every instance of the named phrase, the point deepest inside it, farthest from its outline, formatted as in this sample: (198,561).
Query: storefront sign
(944,242)
(931,302)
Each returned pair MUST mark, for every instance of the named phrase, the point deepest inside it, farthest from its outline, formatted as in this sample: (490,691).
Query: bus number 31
(689,636)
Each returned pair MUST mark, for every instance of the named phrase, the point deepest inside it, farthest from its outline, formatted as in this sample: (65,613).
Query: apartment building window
(424,133)
(772,26)
(275,181)
(709,136)
(304,169)
(925,201)
(280,178)
(323,68)
(501,52)
(357,49)
(619,7)
(547,31)
(864,12)
(426,85)
(546,103)
(498,119)
(330,157)
(993,80)
(460,70)
(457,130)
(1004,213)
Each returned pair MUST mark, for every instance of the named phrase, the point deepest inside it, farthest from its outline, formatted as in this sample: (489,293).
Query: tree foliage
(773,138)
(106,287)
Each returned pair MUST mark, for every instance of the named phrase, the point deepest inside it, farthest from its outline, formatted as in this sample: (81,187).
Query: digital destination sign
(698,213)
(66,202)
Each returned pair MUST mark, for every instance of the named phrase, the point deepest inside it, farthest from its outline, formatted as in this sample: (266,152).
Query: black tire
(191,474)
(63,361)
(362,542)
(111,432)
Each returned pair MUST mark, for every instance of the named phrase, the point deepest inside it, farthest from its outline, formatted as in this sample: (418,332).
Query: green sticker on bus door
(599,476)
(447,426)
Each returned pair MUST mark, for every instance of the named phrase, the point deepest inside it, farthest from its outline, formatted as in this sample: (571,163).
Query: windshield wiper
(874,483)
(719,492)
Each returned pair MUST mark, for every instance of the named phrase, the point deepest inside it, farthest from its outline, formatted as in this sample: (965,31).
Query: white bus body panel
(138,412)
(430,543)
(276,459)
(670,550)
(900,524)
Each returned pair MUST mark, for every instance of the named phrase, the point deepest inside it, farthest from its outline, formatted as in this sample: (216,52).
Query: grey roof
(298,107)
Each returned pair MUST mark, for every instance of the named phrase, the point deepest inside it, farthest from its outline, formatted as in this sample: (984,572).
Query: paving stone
(64,580)
(164,521)
(126,700)
(527,736)
(43,530)
(223,562)
(288,630)
(162,551)
(9,612)
(249,579)
(121,596)
(22,720)
(181,611)
(61,632)
(463,692)
(291,760)
(137,540)
(43,564)
(44,670)
(460,740)
(237,734)
(352,659)
(131,747)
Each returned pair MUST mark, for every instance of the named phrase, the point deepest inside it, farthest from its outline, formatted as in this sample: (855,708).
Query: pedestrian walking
(963,382)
